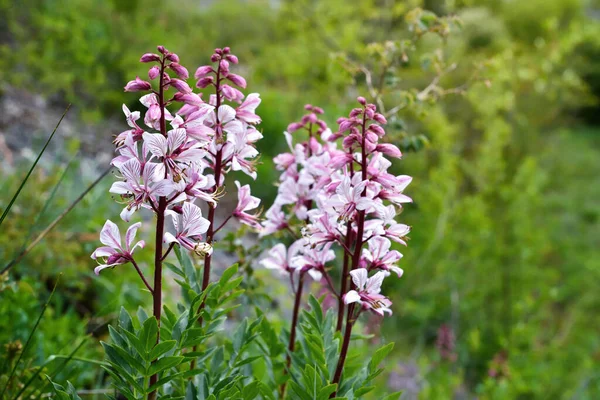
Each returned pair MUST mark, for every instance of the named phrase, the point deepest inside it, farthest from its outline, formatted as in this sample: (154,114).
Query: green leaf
(148,333)
(164,363)
(316,309)
(142,315)
(228,274)
(392,396)
(379,355)
(326,391)
(125,321)
(161,349)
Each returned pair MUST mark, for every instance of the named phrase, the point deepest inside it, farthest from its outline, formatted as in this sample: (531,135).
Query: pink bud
(318,110)
(178,209)
(150,57)
(226,50)
(153,72)
(371,137)
(181,86)
(204,82)
(215,58)
(380,118)
(233,59)
(237,80)
(137,85)
(340,120)
(173,57)
(377,129)
(161,49)
(224,66)
(355,112)
(312,118)
(180,70)
(389,150)
(362,100)
(369,112)
(218,51)
(201,72)
(293,127)
(345,125)
(308,107)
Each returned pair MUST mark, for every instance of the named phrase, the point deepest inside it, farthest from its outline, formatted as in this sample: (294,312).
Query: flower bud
(180,70)
(181,86)
(369,112)
(312,118)
(377,129)
(345,125)
(173,57)
(231,58)
(380,118)
(178,209)
(237,80)
(355,112)
(308,107)
(224,67)
(215,58)
(294,126)
(201,72)
(137,85)
(153,72)
(340,120)
(362,100)
(226,50)
(149,57)
(318,110)
(389,150)
(218,51)
(204,82)
(161,49)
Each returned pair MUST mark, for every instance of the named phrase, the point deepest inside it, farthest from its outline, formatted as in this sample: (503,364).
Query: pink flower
(247,110)
(246,202)
(173,151)
(349,197)
(313,260)
(140,187)
(277,259)
(113,252)
(379,256)
(189,228)
(367,293)
(274,222)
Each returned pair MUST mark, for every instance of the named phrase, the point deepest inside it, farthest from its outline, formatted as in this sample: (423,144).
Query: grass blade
(37,323)
(43,233)
(32,168)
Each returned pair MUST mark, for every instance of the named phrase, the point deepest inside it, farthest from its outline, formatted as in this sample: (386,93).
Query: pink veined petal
(235,130)
(175,139)
(374,283)
(315,275)
(397,270)
(127,213)
(359,277)
(110,235)
(169,238)
(149,99)
(351,297)
(141,244)
(120,188)
(226,113)
(101,267)
(103,251)
(162,188)
(131,170)
(157,144)
(193,221)
(130,235)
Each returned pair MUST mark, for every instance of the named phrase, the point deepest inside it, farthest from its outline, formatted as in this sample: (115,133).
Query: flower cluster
(345,197)
(304,171)
(170,160)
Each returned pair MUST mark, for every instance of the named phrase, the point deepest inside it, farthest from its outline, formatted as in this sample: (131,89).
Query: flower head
(367,293)
(113,252)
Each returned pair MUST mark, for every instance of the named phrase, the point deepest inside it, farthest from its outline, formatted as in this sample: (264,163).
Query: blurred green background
(501,293)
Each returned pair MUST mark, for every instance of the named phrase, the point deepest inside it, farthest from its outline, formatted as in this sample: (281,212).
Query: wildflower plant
(334,217)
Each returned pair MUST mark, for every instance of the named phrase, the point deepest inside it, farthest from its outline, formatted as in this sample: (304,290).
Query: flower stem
(160,229)
(344,352)
(344,278)
(292,342)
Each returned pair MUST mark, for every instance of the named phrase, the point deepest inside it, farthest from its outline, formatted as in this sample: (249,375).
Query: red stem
(160,228)
(292,342)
